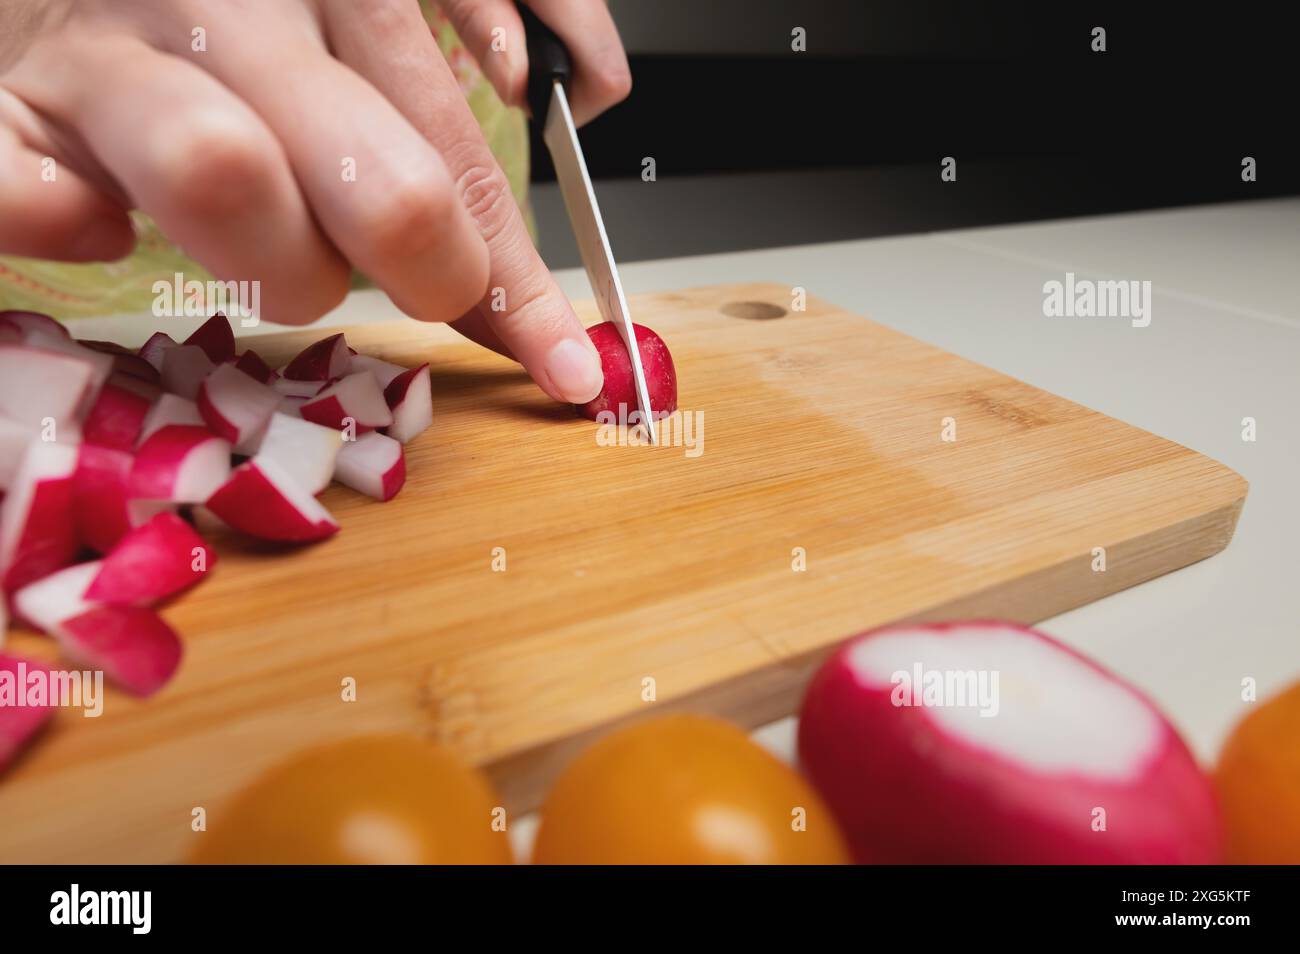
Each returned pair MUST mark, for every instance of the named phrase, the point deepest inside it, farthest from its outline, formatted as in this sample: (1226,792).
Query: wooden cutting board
(626,567)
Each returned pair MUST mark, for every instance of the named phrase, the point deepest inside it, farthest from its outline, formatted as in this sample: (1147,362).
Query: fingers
(534,321)
(493,33)
(47,211)
(379,190)
(198,160)
(601,76)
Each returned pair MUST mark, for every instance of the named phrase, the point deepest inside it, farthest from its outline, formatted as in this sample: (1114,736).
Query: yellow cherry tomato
(1259,784)
(388,799)
(684,790)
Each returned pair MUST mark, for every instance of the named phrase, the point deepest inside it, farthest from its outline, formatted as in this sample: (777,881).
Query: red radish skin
(183,369)
(20,725)
(216,338)
(236,407)
(151,563)
(356,397)
(13,441)
(942,784)
(326,359)
(60,596)
(620,382)
(36,384)
(170,409)
(251,363)
(132,645)
(116,418)
(152,350)
(180,464)
(410,397)
(306,452)
(263,502)
(373,464)
(125,361)
(100,493)
(38,534)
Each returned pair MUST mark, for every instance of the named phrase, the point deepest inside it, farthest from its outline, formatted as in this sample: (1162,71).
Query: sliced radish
(216,338)
(100,493)
(356,398)
(251,363)
(38,534)
(304,451)
(326,359)
(183,369)
(170,409)
(125,361)
(26,321)
(263,501)
(154,349)
(373,464)
(57,597)
(20,724)
(152,562)
(236,407)
(37,384)
(116,417)
(180,464)
(991,743)
(131,644)
(383,371)
(410,398)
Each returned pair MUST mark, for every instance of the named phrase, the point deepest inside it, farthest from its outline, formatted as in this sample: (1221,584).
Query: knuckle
(486,195)
(411,215)
(221,164)
(615,81)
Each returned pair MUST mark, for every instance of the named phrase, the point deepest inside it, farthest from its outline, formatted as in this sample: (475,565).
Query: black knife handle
(548,61)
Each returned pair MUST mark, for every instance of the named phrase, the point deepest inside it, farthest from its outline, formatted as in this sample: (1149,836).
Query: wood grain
(822,431)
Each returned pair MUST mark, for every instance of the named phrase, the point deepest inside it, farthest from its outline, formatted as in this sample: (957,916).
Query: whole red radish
(990,743)
(620,383)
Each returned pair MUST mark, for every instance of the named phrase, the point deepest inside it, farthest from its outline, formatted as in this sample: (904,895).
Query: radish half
(36,384)
(236,407)
(263,501)
(180,464)
(20,724)
(131,644)
(326,359)
(410,398)
(372,464)
(619,390)
(304,451)
(990,743)
(38,533)
(357,398)
(216,338)
(154,561)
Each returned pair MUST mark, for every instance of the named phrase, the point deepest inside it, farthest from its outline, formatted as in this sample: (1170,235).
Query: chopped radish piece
(180,464)
(57,597)
(125,361)
(100,494)
(38,534)
(37,384)
(291,405)
(152,562)
(13,441)
(170,409)
(19,724)
(116,417)
(26,321)
(356,398)
(133,645)
(301,449)
(372,464)
(990,743)
(322,361)
(236,407)
(149,390)
(183,369)
(216,338)
(261,500)
(410,397)
(251,363)
(154,349)
(383,371)
(297,389)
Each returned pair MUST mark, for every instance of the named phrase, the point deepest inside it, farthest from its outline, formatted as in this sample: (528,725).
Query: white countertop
(1223,344)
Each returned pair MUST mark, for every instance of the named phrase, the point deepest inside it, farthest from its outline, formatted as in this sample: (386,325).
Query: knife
(549,71)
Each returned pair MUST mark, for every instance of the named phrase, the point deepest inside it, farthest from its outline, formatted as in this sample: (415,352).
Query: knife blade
(548,74)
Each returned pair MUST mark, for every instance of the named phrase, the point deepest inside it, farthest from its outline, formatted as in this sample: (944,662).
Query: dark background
(756,145)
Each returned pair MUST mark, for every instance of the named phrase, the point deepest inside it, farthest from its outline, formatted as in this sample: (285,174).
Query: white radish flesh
(356,399)
(183,369)
(373,464)
(180,464)
(57,597)
(37,384)
(383,371)
(410,397)
(38,534)
(236,407)
(261,500)
(170,409)
(303,450)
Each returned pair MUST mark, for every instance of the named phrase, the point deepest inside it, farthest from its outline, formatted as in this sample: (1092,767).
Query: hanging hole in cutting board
(753,310)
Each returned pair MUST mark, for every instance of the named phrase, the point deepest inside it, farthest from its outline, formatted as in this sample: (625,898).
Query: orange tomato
(1259,784)
(684,790)
(371,800)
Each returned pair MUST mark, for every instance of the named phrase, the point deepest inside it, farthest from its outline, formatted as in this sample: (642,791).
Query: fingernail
(575,371)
